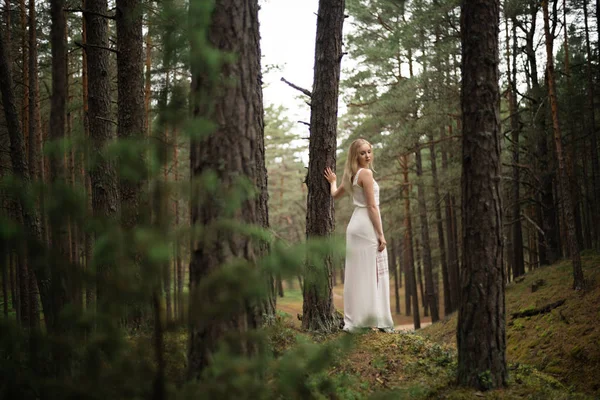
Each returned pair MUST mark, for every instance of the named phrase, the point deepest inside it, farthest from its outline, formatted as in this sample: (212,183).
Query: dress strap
(356,176)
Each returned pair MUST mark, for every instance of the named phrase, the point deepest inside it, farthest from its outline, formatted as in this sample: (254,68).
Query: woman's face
(365,155)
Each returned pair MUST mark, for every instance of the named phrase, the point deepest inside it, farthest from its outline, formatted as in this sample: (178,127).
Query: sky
(288,31)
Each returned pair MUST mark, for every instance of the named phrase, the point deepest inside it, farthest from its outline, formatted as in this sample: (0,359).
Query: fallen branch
(537,311)
(305,91)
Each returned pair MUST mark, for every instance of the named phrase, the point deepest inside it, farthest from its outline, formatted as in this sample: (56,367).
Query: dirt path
(410,327)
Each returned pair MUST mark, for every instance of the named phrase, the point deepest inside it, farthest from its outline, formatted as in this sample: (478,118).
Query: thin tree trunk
(88,240)
(148,82)
(35,140)
(592,126)
(25,74)
(578,279)
(430,291)
(419,262)
(410,259)
(481,336)
(518,261)
(448,306)
(21,170)
(396,273)
(5,277)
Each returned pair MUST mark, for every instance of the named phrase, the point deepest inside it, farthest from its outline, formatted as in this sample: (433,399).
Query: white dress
(366,281)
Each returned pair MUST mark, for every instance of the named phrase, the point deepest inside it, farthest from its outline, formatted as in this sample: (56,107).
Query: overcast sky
(288,30)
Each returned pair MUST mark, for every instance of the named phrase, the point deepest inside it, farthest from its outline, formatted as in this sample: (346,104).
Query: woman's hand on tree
(330,175)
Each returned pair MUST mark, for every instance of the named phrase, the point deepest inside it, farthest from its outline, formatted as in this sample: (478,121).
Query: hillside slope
(564,342)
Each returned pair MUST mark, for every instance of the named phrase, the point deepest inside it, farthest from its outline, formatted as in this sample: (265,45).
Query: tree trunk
(103,179)
(5,277)
(592,127)
(410,259)
(546,211)
(518,261)
(30,218)
(448,306)
(453,278)
(394,266)
(148,82)
(131,113)
(88,240)
(432,302)
(25,74)
(578,279)
(234,149)
(318,308)
(418,263)
(481,336)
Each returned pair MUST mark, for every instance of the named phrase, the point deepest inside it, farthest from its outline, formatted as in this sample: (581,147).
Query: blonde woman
(366,282)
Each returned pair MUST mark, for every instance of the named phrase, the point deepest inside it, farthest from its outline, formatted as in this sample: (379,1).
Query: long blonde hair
(351,167)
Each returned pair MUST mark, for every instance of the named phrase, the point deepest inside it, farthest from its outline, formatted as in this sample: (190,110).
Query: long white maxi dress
(366,281)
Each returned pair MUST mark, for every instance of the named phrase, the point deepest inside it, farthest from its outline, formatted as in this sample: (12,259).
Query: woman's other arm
(336,192)
(366,181)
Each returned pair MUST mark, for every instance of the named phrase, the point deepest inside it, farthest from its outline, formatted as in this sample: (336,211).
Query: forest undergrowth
(554,355)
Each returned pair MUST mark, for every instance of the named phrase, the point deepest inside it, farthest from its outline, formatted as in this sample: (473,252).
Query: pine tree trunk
(396,273)
(35,139)
(430,291)
(548,246)
(29,218)
(578,279)
(453,279)
(25,74)
(592,127)
(448,306)
(131,106)
(571,148)
(88,240)
(147,82)
(410,259)
(318,308)
(518,261)
(234,149)
(5,277)
(424,297)
(481,336)
(103,179)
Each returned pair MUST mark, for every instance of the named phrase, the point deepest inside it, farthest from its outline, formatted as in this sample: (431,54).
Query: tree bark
(411,278)
(518,261)
(131,113)
(578,279)
(448,306)
(453,275)
(481,336)
(30,218)
(103,178)
(430,292)
(318,308)
(234,150)
(396,272)
(592,128)
(546,211)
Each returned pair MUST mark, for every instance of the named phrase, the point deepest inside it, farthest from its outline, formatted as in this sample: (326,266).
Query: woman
(366,283)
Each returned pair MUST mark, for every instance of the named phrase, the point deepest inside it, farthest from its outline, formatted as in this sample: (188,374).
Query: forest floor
(554,355)
(291,303)
(551,356)
(563,343)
